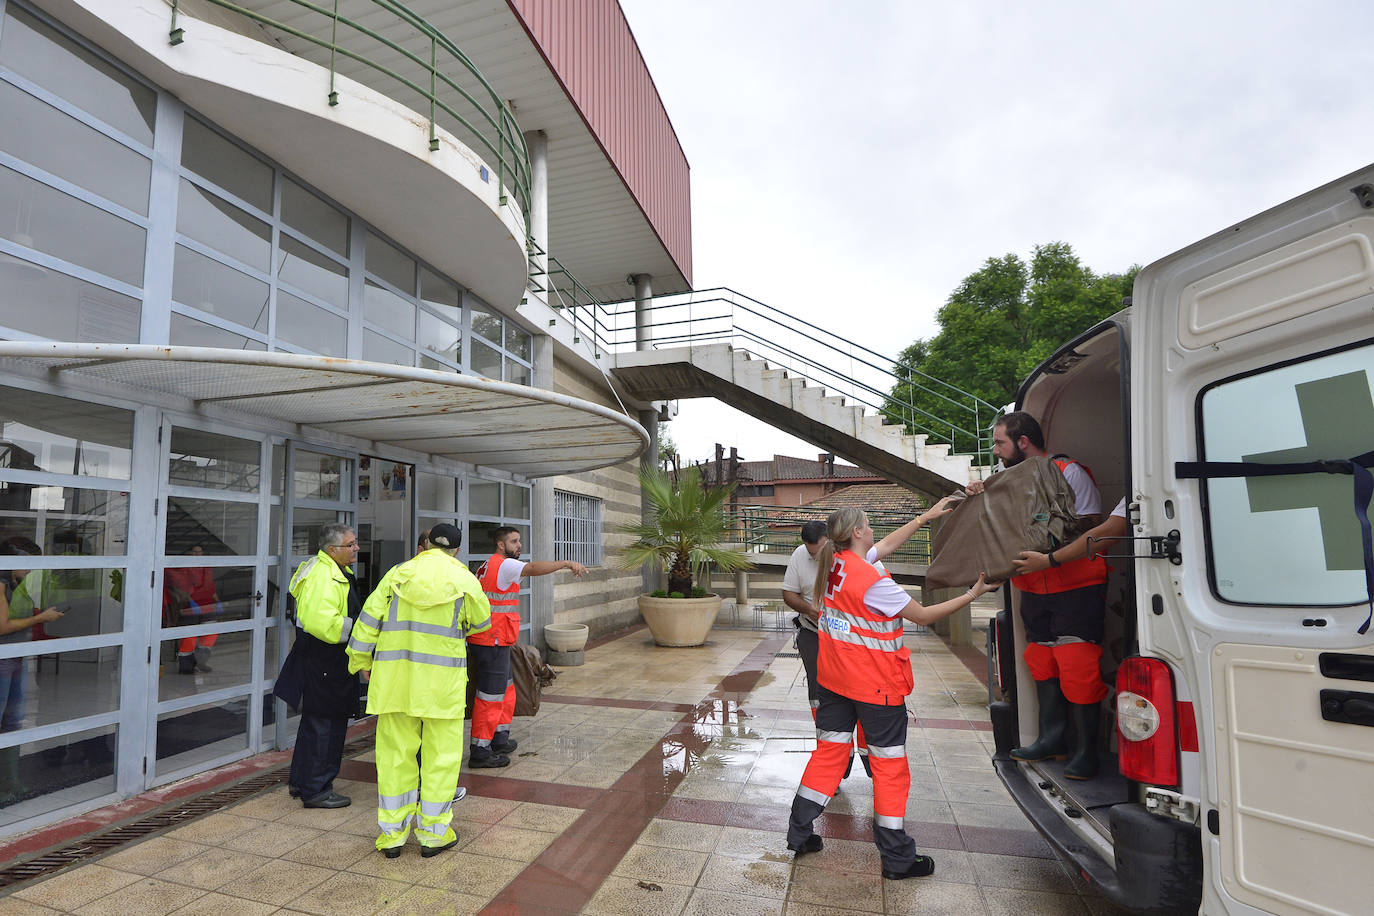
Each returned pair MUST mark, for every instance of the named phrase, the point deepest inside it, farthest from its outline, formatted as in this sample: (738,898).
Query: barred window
(576,528)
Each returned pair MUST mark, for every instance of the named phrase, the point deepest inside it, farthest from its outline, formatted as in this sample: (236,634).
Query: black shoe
(924,865)
(293,791)
(186,664)
(813,843)
(328,800)
(506,748)
(1086,720)
(392,852)
(482,758)
(429,852)
(1054,711)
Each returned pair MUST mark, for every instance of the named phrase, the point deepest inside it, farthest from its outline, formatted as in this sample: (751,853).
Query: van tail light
(1145,722)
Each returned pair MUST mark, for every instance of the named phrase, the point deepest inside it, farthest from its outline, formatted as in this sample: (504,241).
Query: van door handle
(1348,707)
(1346,666)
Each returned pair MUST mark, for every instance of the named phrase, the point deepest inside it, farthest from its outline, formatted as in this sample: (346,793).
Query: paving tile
(278,881)
(1015,902)
(216,904)
(548,818)
(979,794)
(216,829)
(152,856)
(13,906)
(764,845)
(748,877)
(659,865)
(680,835)
(349,894)
(146,897)
(71,889)
(1021,872)
(842,889)
(512,843)
(268,806)
(1006,817)
(930,897)
(332,850)
(212,868)
(634,897)
(844,855)
(474,875)
(274,839)
(485,810)
(717,903)
(432,901)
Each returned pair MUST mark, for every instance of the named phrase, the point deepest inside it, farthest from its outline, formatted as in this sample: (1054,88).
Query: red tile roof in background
(786,469)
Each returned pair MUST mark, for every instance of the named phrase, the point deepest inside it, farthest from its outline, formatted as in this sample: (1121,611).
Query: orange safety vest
(505,606)
(861,653)
(1066,577)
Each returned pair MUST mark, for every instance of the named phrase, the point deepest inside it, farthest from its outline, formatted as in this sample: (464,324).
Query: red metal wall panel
(590,47)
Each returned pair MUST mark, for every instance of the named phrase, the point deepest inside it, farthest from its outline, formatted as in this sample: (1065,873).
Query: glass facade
(134,538)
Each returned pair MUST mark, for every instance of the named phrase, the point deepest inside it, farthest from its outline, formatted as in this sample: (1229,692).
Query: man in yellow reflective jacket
(411,638)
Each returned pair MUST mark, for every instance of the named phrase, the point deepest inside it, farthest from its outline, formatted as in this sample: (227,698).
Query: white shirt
(1087,501)
(800,577)
(885,596)
(509,573)
(1120,510)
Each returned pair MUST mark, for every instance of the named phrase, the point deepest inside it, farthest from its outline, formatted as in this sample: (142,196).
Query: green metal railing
(776,530)
(419,58)
(861,375)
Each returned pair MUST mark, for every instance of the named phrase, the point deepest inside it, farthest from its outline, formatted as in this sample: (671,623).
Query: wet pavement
(652,781)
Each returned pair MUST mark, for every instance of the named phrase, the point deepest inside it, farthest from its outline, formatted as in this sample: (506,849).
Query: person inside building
(1062,608)
(864,674)
(409,641)
(191,589)
(327,603)
(19,614)
(493,708)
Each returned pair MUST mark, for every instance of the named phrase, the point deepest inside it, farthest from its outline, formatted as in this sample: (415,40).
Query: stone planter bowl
(679,621)
(565,637)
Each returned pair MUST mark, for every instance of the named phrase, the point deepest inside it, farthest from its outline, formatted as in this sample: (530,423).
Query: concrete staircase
(782,399)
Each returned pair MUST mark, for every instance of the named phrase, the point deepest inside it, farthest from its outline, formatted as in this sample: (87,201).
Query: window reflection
(52,773)
(379,349)
(41,301)
(313,218)
(220,528)
(202,459)
(440,337)
(219,289)
(389,311)
(391,264)
(65,520)
(44,432)
(195,595)
(90,601)
(323,477)
(213,221)
(308,270)
(228,663)
(310,327)
(212,157)
(484,498)
(187,737)
(189,332)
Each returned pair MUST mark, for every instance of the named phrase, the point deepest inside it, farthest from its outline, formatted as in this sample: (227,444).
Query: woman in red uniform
(865,675)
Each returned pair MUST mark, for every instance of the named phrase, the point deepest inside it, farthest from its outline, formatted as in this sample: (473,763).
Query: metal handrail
(495,129)
(774,530)
(811,352)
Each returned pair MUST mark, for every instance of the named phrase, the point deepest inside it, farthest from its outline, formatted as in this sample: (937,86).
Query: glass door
(386,518)
(210,585)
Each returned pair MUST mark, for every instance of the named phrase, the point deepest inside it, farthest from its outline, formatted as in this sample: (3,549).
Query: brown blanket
(1029,506)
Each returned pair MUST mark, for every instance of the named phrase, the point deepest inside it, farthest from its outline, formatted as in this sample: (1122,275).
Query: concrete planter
(565,637)
(679,621)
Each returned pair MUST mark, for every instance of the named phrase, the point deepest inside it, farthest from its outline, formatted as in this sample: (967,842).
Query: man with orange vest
(493,707)
(864,670)
(1062,608)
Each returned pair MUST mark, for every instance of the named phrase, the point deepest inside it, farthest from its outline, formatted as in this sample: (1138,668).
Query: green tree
(1001,322)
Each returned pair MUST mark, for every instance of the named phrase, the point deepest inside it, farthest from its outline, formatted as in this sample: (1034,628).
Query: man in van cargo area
(1062,608)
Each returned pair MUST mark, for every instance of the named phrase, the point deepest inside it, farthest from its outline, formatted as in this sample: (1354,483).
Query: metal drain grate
(788,655)
(41,866)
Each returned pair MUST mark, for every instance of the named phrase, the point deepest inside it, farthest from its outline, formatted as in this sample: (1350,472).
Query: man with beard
(493,707)
(1062,608)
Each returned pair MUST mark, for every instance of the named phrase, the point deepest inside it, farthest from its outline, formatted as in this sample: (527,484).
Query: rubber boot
(202,655)
(186,664)
(1054,710)
(1086,721)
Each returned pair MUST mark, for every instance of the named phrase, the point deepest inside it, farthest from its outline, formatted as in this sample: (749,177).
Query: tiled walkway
(652,781)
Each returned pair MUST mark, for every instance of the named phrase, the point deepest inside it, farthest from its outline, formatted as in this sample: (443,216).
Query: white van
(1240,776)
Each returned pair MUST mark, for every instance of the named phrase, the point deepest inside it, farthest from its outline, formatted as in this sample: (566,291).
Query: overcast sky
(852,162)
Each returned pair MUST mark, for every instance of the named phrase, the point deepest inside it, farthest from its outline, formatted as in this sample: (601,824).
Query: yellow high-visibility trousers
(405,790)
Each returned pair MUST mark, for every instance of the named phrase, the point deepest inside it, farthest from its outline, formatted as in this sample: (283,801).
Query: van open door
(1256,347)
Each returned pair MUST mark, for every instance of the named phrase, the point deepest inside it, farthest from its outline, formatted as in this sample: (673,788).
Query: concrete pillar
(741,587)
(644,294)
(958,627)
(541,511)
(537,142)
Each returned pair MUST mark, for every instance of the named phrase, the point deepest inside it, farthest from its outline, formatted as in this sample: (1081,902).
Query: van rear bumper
(1158,860)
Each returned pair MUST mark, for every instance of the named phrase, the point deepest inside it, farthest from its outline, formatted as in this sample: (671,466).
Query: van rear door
(1257,345)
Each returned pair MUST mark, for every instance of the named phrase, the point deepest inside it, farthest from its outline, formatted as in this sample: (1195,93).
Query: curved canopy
(526,431)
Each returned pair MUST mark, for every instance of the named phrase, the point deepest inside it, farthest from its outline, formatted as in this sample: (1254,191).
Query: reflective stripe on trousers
(410,793)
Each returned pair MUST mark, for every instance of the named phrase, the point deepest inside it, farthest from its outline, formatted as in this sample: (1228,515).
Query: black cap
(446,536)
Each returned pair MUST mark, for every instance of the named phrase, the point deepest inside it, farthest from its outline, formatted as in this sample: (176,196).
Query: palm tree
(687,531)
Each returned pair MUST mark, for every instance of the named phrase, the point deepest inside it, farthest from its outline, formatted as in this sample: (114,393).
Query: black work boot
(503,743)
(1054,710)
(482,758)
(1086,720)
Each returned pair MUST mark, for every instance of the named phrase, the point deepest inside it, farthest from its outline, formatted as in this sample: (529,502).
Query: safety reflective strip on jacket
(1066,577)
(419,658)
(505,605)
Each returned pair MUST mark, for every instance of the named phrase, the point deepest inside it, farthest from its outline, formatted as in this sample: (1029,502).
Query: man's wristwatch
(1050,557)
